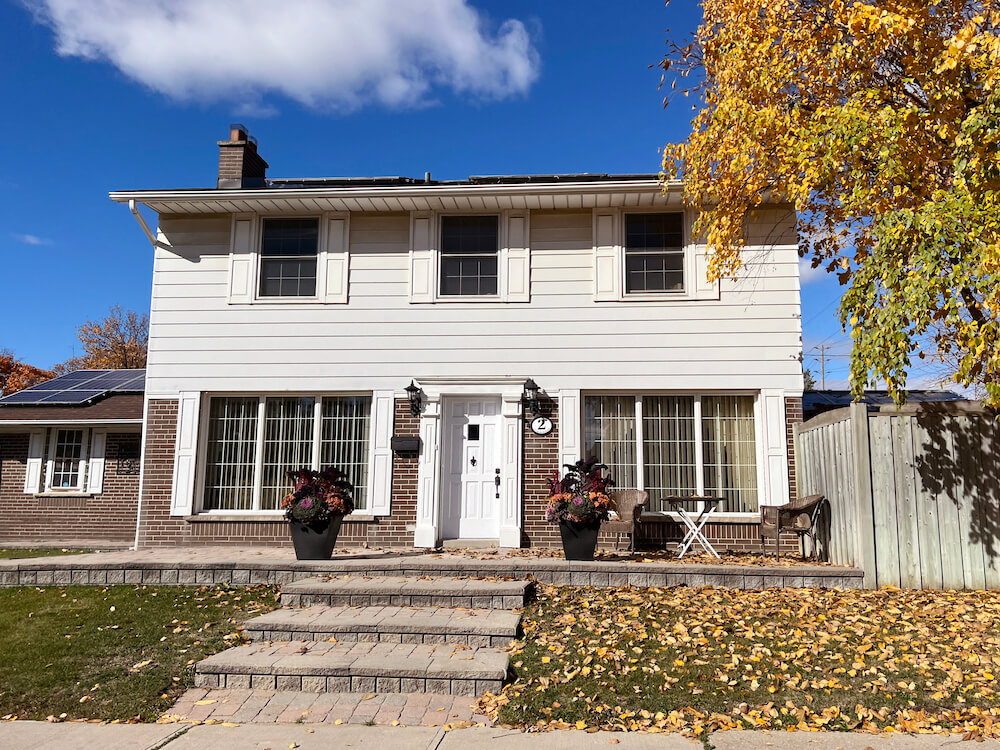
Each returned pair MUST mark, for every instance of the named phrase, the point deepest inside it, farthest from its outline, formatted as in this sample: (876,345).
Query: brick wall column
(793,416)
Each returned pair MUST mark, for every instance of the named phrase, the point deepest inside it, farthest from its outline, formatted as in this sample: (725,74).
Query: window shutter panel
(95,472)
(517,278)
(422,276)
(607,256)
(335,261)
(772,409)
(380,461)
(185,448)
(241,262)
(701,287)
(33,467)
(569,427)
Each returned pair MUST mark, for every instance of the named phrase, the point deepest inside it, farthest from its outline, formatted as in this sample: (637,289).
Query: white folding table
(695,525)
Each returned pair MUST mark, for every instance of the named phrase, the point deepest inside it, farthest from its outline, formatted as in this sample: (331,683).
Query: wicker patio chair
(801,516)
(629,504)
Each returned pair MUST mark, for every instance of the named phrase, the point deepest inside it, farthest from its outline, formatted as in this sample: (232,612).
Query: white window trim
(508,258)
(694,254)
(82,463)
(759,452)
(256,511)
(332,260)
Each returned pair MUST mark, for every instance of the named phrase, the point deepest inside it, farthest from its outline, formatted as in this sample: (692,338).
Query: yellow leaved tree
(880,122)
(118,342)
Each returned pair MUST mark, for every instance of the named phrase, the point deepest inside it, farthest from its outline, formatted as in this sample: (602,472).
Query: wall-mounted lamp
(531,396)
(415,396)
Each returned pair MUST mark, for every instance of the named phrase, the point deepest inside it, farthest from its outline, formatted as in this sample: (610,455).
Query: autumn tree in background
(880,122)
(118,342)
(15,375)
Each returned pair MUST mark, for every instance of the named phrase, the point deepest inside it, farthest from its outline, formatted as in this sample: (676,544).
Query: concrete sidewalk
(33,735)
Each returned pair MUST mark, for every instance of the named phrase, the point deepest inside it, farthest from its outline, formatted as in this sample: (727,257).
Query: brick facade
(108,517)
(540,460)
(793,416)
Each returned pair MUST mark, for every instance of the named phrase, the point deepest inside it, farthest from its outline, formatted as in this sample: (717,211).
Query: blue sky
(98,100)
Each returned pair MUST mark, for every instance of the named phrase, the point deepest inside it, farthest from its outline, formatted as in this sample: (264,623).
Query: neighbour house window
(690,445)
(253,441)
(288,257)
(66,464)
(469,255)
(654,253)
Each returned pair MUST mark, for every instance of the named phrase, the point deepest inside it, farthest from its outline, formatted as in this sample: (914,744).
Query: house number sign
(541,425)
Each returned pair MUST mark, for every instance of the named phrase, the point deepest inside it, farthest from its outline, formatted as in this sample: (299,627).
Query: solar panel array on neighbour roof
(79,387)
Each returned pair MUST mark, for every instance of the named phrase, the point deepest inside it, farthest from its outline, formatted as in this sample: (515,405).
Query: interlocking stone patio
(240,566)
(274,707)
(439,591)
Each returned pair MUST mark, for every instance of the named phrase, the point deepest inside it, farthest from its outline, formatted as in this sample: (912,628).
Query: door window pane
(654,253)
(730,451)
(288,257)
(231,453)
(344,441)
(609,435)
(469,247)
(288,445)
(670,465)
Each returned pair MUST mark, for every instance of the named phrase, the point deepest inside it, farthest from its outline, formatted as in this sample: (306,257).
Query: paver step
(361,591)
(390,624)
(317,667)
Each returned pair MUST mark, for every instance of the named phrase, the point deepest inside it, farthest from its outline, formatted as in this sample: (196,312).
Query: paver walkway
(286,707)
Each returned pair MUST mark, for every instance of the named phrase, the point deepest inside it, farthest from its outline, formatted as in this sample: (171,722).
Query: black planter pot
(579,539)
(315,541)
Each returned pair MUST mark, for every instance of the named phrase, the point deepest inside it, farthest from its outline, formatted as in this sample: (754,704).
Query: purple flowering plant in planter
(318,496)
(581,495)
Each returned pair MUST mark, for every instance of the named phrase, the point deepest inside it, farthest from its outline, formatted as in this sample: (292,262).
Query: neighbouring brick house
(397,327)
(69,460)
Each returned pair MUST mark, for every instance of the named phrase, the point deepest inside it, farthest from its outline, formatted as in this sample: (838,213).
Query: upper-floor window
(469,255)
(654,253)
(288,257)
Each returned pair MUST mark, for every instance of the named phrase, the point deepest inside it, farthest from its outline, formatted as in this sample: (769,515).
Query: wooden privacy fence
(914,492)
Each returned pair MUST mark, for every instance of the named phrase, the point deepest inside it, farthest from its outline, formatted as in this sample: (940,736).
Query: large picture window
(469,255)
(677,446)
(253,441)
(654,253)
(288,257)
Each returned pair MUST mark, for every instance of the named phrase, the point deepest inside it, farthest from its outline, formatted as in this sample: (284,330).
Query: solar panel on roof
(79,387)
(71,397)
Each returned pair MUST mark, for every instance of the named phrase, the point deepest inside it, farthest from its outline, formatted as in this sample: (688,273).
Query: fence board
(884,503)
(969,466)
(954,547)
(925,511)
(906,505)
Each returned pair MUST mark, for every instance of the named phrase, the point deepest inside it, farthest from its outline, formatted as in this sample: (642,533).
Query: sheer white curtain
(231,453)
(730,451)
(288,445)
(609,435)
(344,440)
(670,464)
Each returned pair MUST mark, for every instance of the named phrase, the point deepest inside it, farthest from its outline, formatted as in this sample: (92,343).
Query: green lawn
(695,659)
(121,652)
(17,553)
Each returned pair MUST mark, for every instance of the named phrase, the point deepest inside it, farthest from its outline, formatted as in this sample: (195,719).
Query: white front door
(470,507)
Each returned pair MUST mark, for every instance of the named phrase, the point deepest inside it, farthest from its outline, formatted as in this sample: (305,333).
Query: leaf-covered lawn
(120,652)
(699,659)
(16,553)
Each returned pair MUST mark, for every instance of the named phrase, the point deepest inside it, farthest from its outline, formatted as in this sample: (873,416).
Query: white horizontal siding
(748,339)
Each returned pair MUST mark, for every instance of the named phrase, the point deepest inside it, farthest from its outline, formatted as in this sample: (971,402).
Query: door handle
(496,481)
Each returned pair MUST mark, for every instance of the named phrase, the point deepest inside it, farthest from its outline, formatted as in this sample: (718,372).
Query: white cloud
(325,54)
(808,274)
(32,239)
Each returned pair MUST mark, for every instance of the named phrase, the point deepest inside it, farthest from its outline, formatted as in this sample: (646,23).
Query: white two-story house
(450,344)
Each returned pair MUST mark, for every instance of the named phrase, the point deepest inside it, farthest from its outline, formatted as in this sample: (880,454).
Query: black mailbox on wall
(405,444)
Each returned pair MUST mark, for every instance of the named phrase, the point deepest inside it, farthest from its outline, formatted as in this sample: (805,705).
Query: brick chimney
(240,166)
